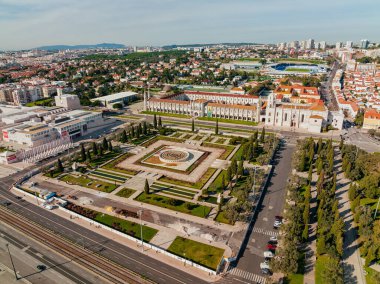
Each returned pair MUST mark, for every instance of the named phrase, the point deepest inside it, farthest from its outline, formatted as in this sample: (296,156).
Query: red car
(271,247)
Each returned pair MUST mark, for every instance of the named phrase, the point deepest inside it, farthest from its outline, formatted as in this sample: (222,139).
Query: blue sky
(32,23)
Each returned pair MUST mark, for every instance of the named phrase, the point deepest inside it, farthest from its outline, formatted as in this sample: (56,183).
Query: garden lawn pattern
(203,254)
(126,192)
(110,176)
(173,190)
(174,204)
(89,183)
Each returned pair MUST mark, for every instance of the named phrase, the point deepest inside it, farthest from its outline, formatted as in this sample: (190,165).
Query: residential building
(67,101)
(364,43)
(371,119)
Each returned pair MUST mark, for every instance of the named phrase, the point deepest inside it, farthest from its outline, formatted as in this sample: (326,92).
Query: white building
(67,101)
(124,98)
(349,44)
(338,45)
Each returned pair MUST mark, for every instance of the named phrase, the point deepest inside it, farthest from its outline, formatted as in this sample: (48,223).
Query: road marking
(247,275)
(265,232)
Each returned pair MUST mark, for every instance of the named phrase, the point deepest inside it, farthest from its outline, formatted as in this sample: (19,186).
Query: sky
(27,24)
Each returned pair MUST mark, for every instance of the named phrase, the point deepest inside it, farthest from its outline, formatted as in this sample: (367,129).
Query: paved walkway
(352,264)
(311,249)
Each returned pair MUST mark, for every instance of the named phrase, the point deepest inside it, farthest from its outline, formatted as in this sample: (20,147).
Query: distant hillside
(83,46)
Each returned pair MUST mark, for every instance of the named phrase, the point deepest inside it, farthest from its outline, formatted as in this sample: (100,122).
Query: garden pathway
(352,264)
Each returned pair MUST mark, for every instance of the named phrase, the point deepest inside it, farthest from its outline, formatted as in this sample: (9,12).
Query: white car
(268,254)
(273,239)
(264,265)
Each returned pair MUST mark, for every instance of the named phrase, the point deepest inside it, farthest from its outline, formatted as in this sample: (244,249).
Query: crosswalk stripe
(247,275)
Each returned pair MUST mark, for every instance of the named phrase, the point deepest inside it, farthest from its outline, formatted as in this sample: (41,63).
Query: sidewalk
(311,249)
(352,264)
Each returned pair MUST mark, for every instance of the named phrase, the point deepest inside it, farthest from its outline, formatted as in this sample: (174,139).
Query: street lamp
(141,230)
(13,266)
(377,207)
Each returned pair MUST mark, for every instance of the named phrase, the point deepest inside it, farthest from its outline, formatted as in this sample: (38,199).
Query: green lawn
(298,70)
(174,204)
(112,165)
(89,183)
(104,158)
(217,183)
(41,102)
(128,227)
(206,255)
(109,176)
(239,153)
(198,185)
(228,149)
(372,276)
(166,114)
(222,219)
(173,190)
(233,121)
(126,192)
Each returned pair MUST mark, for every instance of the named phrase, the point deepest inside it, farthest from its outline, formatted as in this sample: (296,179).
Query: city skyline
(33,23)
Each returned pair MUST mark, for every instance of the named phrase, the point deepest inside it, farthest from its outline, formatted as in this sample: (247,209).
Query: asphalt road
(27,254)
(248,266)
(136,261)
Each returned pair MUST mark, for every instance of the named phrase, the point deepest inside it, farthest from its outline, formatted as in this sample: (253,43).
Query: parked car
(273,239)
(271,247)
(277,224)
(264,265)
(41,267)
(268,254)
(266,271)
(278,218)
(272,242)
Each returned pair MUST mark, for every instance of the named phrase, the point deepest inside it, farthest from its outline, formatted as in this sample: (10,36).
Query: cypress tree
(110,148)
(234,167)
(240,169)
(155,121)
(262,136)
(217,127)
(320,144)
(145,128)
(192,125)
(123,137)
(229,174)
(105,143)
(133,134)
(256,135)
(60,166)
(100,150)
(159,122)
(94,148)
(88,155)
(146,187)
(83,152)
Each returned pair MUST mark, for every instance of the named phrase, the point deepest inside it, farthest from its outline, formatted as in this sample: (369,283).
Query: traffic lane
(136,261)
(272,205)
(61,265)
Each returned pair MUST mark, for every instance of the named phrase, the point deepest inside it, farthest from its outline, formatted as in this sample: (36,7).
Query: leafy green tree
(146,187)
(333,272)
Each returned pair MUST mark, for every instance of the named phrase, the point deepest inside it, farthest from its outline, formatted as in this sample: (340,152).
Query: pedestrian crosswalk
(253,278)
(265,232)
